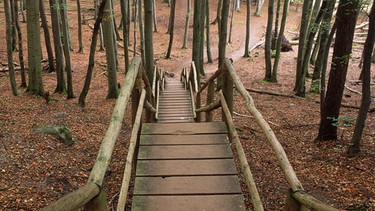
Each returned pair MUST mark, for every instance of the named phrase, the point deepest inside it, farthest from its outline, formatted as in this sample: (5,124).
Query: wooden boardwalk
(183,165)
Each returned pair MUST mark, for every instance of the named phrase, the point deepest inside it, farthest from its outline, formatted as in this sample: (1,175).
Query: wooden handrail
(129,159)
(83,195)
(195,78)
(245,168)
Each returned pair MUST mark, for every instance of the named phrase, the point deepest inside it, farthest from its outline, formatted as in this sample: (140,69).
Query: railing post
(210,99)
(98,203)
(227,88)
(136,93)
(290,202)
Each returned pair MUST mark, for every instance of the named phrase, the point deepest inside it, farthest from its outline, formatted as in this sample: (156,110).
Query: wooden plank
(176,115)
(187,185)
(183,139)
(188,203)
(184,128)
(185,167)
(184,152)
(176,120)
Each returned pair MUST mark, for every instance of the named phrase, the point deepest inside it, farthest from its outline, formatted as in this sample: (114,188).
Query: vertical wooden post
(210,99)
(198,118)
(228,90)
(136,93)
(291,203)
(98,203)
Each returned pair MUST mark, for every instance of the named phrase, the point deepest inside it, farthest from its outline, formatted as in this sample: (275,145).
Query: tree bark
(34,49)
(20,48)
(171,29)
(184,46)
(9,35)
(247,41)
(110,51)
(149,49)
(47,36)
(56,32)
(198,35)
(79,20)
(124,4)
(268,73)
(208,39)
(354,148)
(94,39)
(345,20)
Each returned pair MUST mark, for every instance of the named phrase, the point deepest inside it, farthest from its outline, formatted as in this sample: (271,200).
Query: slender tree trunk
(141,30)
(94,39)
(135,40)
(56,33)
(279,40)
(310,41)
(9,35)
(247,41)
(184,46)
(306,12)
(354,148)
(47,36)
(20,48)
(258,8)
(34,49)
(224,32)
(79,19)
(66,47)
(276,31)
(323,47)
(22,8)
(198,35)
(13,14)
(268,75)
(149,49)
(231,22)
(154,15)
(345,20)
(110,51)
(208,39)
(124,4)
(172,15)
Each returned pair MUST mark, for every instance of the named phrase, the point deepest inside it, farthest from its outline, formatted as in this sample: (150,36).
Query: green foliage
(343,121)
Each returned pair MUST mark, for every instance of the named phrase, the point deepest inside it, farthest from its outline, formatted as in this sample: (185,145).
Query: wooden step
(184,128)
(205,139)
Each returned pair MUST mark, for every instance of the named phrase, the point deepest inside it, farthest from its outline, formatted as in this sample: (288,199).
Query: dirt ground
(37,169)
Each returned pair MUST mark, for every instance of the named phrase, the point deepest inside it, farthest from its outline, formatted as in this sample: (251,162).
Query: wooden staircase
(184,165)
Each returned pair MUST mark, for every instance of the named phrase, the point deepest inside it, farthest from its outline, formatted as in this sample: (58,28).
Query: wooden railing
(92,195)
(297,199)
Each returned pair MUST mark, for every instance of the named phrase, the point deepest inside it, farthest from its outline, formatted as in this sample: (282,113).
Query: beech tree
(171,28)
(9,36)
(354,148)
(247,41)
(20,48)
(149,46)
(345,21)
(198,35)
(34,49)
(184,45)
(268,74)
(47,39)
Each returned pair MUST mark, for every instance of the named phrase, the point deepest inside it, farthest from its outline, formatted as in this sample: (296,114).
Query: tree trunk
(184,46)
(231,22)
(20,48)
(268,75)
(247,41)
(135,40)
(124,4)
(47,36)
(354,148)
(110,51)
(223,32)
(324,46)
(149,49)
(56,32)
(276,31)
(172,15)
(345,20)
(34,49)
(198,35)
(66,47)
(141,30)
(79,19)
(279,40)
(310,41)
(208,39)
(94,39)
(154,15)
(258,8)
(306,12)
(9,35)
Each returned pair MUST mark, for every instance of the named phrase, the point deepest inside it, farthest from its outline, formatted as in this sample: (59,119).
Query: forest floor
(37,169)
